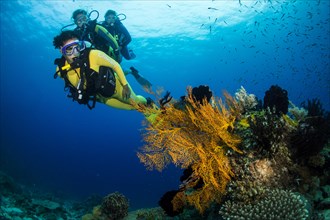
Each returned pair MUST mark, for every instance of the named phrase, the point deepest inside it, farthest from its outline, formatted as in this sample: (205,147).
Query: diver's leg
(115,103)
(127,53)
(138,99)
(141,80)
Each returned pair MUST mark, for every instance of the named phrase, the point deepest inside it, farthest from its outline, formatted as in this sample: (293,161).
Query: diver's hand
(126,92)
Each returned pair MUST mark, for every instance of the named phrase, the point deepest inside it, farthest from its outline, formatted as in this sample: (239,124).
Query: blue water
(51,143)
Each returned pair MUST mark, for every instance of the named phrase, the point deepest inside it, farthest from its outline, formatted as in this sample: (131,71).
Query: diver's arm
(58,72)
(98,58)
(124,31)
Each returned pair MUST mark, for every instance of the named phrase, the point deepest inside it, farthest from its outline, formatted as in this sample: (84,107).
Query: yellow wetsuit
(97,59)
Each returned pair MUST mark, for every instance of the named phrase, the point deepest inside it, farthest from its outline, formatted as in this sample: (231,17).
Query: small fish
(225,22)
(210,29)
(215,20)
(169,6)
(212,8)
(201,26)
(309,15)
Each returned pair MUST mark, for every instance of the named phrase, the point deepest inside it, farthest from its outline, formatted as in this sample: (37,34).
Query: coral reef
(247,102)
(198,137)
(28,203)
(166,203)
(151,214)
(264,156)
(18,202)
(313,131)
(247,162)
(314,107)
(272,204)
(113,207)
(269,130)
(200,94)
(276,99)
(8,185)
(239,153)
(298,114)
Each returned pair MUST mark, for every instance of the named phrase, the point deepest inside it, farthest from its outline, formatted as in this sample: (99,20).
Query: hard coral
(262,170)
(273,204)
(115,206)
(198,136)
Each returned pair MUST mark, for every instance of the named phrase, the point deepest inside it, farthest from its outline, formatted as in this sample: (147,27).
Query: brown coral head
(115,206)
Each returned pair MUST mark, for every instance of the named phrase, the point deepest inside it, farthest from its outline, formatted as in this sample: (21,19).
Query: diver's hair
(63,37)
(110,12)
(77,12)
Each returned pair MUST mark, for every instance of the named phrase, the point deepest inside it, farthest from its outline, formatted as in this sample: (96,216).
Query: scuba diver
(89,31)
(98,36)
(115,27)
(91,76)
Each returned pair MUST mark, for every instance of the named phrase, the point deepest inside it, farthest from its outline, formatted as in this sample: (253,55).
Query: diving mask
(81,20)
(74,47)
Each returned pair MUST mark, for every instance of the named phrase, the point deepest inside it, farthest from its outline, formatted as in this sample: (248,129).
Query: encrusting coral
(198,137)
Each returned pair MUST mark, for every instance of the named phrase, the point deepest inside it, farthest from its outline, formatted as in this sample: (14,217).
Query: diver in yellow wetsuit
(91,76)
